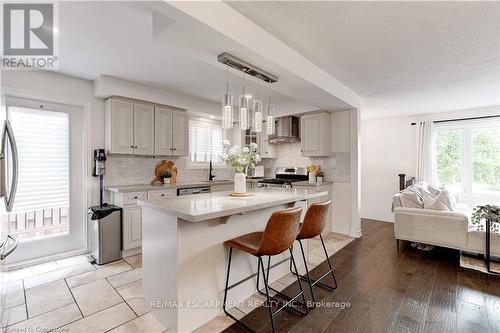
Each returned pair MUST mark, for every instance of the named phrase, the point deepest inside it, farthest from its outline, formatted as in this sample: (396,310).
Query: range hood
(287,130)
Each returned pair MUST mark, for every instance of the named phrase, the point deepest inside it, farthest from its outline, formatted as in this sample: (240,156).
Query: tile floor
(72,295)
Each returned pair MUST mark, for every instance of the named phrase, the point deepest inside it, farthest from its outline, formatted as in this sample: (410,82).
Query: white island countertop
(201,207)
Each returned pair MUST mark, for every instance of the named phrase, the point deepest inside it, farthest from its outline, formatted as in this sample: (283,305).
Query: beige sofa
(441,228)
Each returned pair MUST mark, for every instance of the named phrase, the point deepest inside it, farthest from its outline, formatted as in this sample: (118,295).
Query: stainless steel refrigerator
(8,187)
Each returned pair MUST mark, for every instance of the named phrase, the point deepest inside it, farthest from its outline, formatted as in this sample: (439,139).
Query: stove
(285,177)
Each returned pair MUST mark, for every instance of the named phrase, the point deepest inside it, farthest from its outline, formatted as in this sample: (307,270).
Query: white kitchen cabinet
(180,133)
(132,227)
(315,134)
(163,131)
(142,128)
(144,122)
(119,130)
(341,131)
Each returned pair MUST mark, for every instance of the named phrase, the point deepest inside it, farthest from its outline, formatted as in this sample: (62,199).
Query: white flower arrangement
(240,158)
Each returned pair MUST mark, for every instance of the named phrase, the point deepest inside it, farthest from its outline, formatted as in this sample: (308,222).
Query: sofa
(447,228)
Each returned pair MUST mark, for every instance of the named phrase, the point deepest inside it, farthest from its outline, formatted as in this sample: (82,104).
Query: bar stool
(313,225)
(280,233)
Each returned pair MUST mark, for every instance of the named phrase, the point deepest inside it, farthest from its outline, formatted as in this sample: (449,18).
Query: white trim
(86,107)
(41,260)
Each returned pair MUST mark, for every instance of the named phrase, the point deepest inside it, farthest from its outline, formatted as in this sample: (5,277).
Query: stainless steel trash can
(104,233)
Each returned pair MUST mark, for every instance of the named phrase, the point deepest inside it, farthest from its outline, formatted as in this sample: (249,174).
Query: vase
(319,180)
(240,182)
(312,178)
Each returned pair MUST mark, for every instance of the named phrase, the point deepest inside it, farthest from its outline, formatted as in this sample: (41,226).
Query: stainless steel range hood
(287,130)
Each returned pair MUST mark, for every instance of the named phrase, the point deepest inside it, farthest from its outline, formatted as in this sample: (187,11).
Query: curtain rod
(461,119)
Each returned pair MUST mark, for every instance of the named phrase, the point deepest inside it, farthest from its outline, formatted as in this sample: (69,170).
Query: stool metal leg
(286,297)
(309,282)
(268,298)
(313,282)
(329,265)
(225,294)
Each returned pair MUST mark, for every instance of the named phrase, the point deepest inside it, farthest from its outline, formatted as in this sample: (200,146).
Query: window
(205,142)
(468,159)
(41,207)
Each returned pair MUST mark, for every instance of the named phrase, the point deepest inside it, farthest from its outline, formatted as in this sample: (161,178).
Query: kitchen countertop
(149,187)
(307,184)
(200,207)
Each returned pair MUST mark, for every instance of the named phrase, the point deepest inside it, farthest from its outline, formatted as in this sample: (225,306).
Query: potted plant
(240,159)
(319,176)
(489,213)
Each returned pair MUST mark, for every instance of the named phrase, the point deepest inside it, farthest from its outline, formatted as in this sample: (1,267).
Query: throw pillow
(435,204)
(410,199)
(447,198)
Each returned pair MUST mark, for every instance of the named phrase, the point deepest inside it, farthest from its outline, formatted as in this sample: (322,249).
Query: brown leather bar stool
(312,226)
(281,231)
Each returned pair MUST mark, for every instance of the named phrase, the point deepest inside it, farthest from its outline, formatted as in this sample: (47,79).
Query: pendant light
(257,114)
(227,104)
(270,114)
(243,102)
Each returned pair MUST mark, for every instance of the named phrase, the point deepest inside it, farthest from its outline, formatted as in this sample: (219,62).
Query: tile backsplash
(336,167)
(127,170)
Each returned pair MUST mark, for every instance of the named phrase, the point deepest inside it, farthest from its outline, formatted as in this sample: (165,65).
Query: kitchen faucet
(210,170)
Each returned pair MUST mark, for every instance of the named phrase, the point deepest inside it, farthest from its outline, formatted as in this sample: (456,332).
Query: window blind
(205,141)
(42,139)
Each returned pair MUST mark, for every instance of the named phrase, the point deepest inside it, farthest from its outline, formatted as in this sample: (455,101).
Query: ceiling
(400,57)
(152,44)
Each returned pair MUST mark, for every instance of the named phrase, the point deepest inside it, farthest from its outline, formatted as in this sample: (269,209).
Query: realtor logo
(28,36)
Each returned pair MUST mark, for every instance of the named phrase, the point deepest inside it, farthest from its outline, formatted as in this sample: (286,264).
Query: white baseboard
(41,260)
(131,252)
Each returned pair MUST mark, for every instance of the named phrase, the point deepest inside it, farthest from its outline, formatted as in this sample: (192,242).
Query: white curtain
(425,156)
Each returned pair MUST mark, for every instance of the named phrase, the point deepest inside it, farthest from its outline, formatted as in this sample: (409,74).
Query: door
(48,215)
(132,232)
(144,121)
(311,135)
(163,131)
(121,124)
(180,134)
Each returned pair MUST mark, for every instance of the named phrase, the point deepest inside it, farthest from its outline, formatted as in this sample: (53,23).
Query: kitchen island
(184,261)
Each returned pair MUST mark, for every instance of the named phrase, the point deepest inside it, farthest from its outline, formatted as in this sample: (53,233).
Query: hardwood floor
(390,291)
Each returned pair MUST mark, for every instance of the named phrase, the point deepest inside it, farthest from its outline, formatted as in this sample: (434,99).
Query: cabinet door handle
(132,146)
(174,148)
(163,195)
(135,197)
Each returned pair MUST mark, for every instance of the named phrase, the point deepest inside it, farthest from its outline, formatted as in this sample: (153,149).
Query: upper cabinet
(315,134)
(119,130)
(144,122)
(163,134)
(142,128)
(341,131)
(180,131)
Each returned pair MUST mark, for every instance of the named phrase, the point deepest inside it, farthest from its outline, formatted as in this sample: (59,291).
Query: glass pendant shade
(257,109)
(244,125)
(270,119)
(227,111)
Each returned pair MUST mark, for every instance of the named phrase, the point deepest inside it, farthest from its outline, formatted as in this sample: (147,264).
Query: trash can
(104,233)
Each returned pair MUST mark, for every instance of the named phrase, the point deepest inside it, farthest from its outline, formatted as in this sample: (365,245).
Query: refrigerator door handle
(7,132)
(4,253)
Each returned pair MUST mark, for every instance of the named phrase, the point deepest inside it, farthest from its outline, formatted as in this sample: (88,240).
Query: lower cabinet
(132,227)
(132,216)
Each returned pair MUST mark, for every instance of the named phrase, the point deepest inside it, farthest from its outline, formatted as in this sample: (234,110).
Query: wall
(388,147)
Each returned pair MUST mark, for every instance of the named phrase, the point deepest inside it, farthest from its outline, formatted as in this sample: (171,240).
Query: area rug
(477,263)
